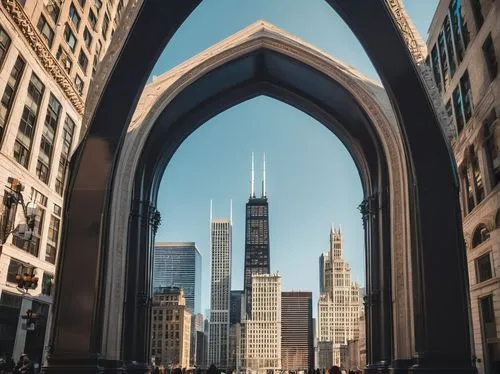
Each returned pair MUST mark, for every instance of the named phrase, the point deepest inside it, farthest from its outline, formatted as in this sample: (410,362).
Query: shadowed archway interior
(410,211)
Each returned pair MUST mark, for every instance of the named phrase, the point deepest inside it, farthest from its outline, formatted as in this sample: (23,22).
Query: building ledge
(489,282)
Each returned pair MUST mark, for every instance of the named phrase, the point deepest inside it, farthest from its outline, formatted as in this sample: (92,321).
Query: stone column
(144,219)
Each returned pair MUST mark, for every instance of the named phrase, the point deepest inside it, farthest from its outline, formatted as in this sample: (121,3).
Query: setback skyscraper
(338,306)
(256,236)
(220,242)
(178,264)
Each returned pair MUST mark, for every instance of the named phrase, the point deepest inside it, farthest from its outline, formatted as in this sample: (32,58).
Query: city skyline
(311,178)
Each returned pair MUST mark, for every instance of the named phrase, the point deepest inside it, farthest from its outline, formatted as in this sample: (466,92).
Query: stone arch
(480,235)
(441,342)
(262,35)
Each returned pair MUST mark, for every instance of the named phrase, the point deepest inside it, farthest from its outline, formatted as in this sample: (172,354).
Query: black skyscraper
(256,236)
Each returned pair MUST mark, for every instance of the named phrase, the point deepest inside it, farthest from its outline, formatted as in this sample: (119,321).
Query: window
(45,30)
(459,110)
(68,130)
(462,102)
(466,95)
(37,197)
(79,84)
(491,145)
(449,45)
(10,93)
(47,141)
(69,37)
(488,317)
(53,7)
(14,267)
(460,29)
(490,57)
(83,61)
(92,19)
(483,268)
(47,284)
(444,60)
(57,210)
(87,38)
(477,178)
(469,194)
(42,171)
(105,26)
(22,147)
(65,59)
(4,45)
(435,68)
(478,14)
(74,16)
(53,229)
(32,246)
(50,253)
(481,234)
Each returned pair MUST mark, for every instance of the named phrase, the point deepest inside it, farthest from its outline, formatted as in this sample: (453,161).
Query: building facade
(49,52)
(297,347)
(170,328)
(178,264)
(237,306)
(464,49)
(262,339)
(221,243)
(339,305)
(257,259)
(196,357)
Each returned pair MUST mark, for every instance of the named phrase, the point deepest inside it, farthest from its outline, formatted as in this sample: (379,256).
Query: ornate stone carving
(48,61)
(418,50)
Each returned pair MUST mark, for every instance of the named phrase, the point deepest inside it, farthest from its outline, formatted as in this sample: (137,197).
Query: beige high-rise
(463,54)
(338,306)
(262,332)
(170,328)
(49,51)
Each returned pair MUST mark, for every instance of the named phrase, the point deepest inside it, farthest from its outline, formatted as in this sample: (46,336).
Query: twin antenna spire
(252,185)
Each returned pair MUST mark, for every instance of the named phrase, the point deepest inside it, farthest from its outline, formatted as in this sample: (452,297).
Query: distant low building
(170,328)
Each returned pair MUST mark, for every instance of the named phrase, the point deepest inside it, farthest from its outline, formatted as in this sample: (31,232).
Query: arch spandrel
(369,94)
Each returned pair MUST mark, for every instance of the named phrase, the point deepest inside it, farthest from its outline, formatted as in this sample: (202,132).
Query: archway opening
(245,71)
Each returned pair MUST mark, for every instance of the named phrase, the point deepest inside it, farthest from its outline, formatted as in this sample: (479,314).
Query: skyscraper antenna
(252,189)
(210,210)
(264,176)
(231,211)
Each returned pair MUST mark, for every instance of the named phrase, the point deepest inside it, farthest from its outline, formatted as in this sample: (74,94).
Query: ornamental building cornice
(48,61)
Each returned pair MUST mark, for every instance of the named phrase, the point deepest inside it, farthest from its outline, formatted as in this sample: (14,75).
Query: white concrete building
(338,306)
(220,242)
(49,51)
(262,346)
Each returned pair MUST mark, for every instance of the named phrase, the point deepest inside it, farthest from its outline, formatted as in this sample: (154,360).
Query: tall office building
(464,50)
(178,264)
(256,236)
(49,51)
(262,337)
(170,328)
(297,346)
(338,306)
(220,242)
(236,306)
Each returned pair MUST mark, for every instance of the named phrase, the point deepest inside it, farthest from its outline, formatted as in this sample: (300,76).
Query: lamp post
(12,198)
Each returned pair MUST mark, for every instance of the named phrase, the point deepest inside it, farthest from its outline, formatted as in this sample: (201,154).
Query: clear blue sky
(312,180)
